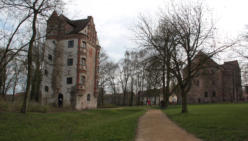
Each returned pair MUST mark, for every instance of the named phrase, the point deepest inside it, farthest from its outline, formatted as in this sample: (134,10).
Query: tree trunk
(184,102)
(164,89)
(35,91)
(124,98)
(102,97)
(14,88)
(131,99)
(29,76)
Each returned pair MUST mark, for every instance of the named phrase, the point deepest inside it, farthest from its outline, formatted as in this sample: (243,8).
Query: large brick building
(71,62)
(216,83)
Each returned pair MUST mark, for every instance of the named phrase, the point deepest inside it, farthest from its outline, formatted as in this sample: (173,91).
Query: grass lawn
(90,125)
(213,122)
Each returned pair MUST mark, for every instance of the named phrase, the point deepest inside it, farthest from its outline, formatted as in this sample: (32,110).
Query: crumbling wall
(58,68)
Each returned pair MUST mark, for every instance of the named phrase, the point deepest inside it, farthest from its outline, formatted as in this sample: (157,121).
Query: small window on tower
(88,97)
(50,57)
(46,72)
(69,62)
(83,80)
(69,80)
(83,62)
(70,43)
(84,44)
(46,88)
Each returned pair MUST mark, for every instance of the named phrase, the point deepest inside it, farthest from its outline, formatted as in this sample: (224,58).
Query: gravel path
(155,126)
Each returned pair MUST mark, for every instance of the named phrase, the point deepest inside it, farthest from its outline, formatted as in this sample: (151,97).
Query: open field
(213,122)
(90,125)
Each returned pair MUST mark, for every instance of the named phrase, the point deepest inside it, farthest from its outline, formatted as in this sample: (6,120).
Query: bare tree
(181,34)
(112,79)
(124,75)
(36,10)
(160,41)
(103,71)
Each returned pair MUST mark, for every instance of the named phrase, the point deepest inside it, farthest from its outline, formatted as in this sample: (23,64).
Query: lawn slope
(90,125)
(213,122)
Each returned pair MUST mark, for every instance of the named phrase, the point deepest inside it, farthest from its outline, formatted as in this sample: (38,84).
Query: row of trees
(166,57)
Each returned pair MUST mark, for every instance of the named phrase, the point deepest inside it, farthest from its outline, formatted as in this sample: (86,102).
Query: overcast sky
(115,18)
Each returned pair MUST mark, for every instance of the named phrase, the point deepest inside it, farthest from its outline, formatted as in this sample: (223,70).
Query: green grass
(90,125)
(213,122)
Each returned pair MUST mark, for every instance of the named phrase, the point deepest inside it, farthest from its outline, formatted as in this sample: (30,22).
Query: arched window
(88,97)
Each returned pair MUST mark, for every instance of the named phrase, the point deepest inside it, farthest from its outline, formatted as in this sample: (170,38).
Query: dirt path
(155,126)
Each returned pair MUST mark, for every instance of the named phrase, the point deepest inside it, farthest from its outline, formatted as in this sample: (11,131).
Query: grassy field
(90,125)
(213,122)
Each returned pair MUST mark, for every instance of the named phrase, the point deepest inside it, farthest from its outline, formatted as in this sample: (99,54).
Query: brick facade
(216,83)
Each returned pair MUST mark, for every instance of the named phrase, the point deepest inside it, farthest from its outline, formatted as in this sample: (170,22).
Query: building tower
(71,62)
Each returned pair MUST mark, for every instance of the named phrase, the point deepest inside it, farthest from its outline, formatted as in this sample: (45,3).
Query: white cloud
(113,18)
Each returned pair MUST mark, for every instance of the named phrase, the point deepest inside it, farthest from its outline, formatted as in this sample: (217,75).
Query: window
(206,94)
(83,61)
(54,42)
(69,80)
(46,88)
(50,57)
(70,43)
(46,72)
(88,97)
(69,62)
(214,94)
(82,80)
(84,44)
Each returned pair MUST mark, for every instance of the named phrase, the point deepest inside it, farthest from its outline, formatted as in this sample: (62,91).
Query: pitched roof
(202,57)
(77,25)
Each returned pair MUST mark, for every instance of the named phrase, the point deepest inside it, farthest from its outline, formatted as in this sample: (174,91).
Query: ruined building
(216,83)
(71,62)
